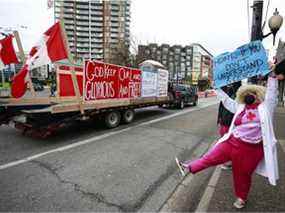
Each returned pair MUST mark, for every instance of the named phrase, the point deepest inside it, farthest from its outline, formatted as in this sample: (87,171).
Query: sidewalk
(263,197)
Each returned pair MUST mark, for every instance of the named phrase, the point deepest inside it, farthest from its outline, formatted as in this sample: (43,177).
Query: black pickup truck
(182,94)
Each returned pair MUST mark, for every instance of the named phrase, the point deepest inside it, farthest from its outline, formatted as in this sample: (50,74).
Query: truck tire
(128,116)
(112,119)
(196,101)
(181,104)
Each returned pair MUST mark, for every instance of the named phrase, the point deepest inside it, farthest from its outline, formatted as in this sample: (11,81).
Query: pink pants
(244,156)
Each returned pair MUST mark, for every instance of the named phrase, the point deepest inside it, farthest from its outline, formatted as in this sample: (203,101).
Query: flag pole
(73,75)
(3,77)
(22,56)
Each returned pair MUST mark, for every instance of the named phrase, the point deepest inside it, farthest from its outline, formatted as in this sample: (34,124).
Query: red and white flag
(50,48)
(7,51)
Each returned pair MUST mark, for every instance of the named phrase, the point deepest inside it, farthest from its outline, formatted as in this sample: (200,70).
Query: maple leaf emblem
(250,116)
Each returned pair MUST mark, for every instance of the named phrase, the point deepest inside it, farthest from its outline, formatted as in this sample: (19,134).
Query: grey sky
(219,25)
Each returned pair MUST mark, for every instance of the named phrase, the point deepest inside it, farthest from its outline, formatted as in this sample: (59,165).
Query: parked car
(182,95)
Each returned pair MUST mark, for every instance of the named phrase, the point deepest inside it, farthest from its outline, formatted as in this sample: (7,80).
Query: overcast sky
(219,25)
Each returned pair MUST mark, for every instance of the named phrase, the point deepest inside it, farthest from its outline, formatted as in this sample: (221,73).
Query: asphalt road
(87,168)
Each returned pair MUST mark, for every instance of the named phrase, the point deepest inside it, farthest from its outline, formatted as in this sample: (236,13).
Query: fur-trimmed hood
(250,88)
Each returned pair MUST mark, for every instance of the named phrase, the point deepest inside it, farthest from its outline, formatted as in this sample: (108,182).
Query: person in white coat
(250,143)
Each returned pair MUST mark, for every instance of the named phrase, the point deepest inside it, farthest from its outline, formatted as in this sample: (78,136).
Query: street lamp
(274,24)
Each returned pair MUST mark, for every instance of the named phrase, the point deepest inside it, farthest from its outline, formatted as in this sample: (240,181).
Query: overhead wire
(248,21)
(265,19)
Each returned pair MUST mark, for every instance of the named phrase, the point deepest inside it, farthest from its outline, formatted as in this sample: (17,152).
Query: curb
(209,192)
(187,181)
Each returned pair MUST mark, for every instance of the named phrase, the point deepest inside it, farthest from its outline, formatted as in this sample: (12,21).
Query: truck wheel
(181,104)
(112,119)
(128,116)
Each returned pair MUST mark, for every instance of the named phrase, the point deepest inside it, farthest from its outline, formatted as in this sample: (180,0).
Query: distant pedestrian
(250,143)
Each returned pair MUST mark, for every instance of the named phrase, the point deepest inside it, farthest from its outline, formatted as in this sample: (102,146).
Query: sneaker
(226,167)
(239,203)
(182,168)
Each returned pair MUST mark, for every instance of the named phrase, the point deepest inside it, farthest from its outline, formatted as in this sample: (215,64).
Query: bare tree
(124,53)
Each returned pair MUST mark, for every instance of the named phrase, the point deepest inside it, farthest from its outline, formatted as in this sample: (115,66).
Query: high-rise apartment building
(185,63)
(95,29)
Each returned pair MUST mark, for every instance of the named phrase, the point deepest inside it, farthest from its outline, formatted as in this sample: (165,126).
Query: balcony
(114,35)
(80,45)
(68,16)
(82,17)
(70,38)
(100,35)
(69,27)
(82,12)
(83,40)
(97,24)
(68,10)
(114,7)
(68,32)
(114,30)
(82,50)
(80,6)
(99,46)
(82,34)
(115,14)
(57,4)
(97,13)
(68,22)
(115,25)
(114,19)
(65,4)
(94,40)
(114,40)
(96,7)
(86,29)
(97,29)
(97,51)
(83,23)
(97,18)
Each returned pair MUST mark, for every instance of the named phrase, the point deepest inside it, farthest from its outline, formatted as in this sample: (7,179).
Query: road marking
(209,192)
(96,138)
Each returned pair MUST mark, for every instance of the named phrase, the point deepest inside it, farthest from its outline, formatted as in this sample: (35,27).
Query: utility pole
(256,27)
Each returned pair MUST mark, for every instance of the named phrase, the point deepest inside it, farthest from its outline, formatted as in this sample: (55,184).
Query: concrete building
(95,29)
(188,64)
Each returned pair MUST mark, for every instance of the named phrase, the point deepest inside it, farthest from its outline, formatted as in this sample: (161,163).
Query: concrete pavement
(218,196)
(263,197)
(132,170)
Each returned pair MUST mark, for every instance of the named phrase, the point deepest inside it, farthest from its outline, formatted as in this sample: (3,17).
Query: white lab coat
(268,167)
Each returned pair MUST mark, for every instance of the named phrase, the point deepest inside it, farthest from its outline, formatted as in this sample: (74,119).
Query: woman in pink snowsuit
(250,143)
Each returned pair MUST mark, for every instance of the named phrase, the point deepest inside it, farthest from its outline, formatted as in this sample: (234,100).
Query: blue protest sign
(246,61)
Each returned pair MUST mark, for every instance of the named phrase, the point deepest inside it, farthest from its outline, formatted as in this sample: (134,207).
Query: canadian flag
(50,48)
(7,51)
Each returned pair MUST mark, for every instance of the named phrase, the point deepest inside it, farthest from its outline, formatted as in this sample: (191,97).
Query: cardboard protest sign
(247,61)
(108,81)
(149,84)
(129,83)
(162,82)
